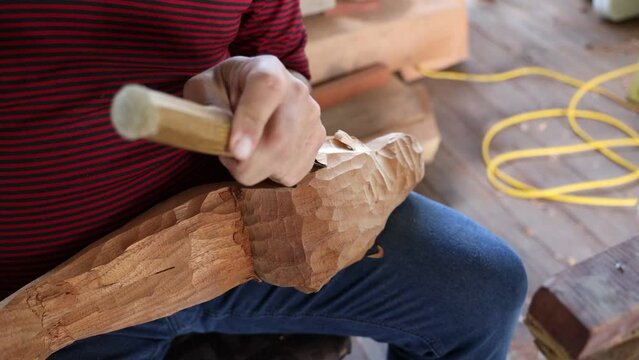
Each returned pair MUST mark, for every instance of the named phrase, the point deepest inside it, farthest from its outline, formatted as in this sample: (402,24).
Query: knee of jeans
(511,277)
(498,285)
(489,302)
(443,251)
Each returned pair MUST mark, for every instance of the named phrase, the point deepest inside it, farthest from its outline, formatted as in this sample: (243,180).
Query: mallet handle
(138,112)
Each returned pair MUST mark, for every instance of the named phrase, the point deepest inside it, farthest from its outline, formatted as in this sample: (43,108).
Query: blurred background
(364,56)
(376,67)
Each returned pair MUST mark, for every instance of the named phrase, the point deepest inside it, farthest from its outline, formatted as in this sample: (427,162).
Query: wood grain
(207,240)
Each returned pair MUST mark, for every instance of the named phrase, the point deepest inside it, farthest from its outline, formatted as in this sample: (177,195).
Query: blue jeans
(445,288)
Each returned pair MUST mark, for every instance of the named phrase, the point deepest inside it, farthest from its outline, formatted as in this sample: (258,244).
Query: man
(446,287)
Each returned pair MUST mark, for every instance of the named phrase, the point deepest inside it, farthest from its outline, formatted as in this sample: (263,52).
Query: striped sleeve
(66,177)
(273,27)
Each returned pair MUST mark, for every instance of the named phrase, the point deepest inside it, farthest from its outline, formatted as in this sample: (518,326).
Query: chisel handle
(138,112)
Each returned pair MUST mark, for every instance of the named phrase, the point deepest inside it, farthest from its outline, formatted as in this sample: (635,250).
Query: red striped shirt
(66,178)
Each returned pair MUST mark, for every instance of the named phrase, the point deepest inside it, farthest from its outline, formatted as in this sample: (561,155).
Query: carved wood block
(207,240)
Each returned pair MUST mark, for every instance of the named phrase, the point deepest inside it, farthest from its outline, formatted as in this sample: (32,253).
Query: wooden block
(203,242)
(312,7)
(591,310)
(399,33)
(345,87)
(396,107)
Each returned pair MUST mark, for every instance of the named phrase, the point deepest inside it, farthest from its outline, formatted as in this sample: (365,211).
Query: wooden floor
(561,35)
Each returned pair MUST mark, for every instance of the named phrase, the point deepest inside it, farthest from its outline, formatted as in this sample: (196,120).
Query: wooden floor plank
(552,229)
(599,227)
(520,99)
(561,35)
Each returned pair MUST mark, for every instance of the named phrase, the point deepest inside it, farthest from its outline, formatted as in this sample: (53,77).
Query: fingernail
(243,148)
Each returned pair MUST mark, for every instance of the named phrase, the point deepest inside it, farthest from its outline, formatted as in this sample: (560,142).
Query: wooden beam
(400,33)
(335,91)
(591,310)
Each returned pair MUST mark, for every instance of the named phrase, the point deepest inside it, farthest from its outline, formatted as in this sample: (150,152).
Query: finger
(304,160)
(246,172)
(320,138)
(280,147)
(296,171)
(206,88)
(315,118)
(229,163)
(265,160)
(253,170)
(263,91)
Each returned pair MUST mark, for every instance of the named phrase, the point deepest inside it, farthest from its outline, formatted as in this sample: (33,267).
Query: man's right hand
(276,129)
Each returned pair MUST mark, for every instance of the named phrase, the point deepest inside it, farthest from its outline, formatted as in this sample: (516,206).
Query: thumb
(263,92)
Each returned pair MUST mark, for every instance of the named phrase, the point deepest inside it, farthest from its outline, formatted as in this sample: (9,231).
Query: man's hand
(276,130)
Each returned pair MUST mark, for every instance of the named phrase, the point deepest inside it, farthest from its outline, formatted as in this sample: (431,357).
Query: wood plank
(591,307)
(401,32)
(556,230)
(529,94)
(335,91)
(392,108)
(561,35)
(562,239)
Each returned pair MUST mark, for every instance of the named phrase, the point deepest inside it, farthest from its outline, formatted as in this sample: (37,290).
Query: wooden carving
(207,240)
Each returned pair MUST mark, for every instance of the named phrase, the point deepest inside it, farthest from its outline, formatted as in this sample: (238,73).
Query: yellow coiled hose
(564,193)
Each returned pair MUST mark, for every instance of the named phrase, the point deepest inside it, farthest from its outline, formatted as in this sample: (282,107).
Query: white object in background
(312,7)
(616,10)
